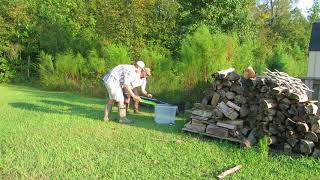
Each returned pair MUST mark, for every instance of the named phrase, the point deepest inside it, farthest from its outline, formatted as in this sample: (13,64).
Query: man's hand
(149,95)
(137,98)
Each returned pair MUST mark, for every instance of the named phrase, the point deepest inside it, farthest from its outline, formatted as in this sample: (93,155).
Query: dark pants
(127,98)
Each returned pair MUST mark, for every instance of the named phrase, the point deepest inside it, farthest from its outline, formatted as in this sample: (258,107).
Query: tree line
(69,45)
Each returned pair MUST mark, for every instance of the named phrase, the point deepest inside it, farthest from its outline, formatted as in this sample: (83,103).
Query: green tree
(314,12)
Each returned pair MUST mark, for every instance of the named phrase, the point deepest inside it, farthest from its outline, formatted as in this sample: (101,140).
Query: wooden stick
(229,171)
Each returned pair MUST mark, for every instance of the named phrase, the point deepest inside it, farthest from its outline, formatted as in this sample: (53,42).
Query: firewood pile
(245,109)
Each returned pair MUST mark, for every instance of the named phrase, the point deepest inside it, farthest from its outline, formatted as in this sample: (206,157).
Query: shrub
(115,55)
(46,69)
(6,73)
(277,60)
(196,57)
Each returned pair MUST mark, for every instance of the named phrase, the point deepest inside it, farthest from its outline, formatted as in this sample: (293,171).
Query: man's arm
(143,88)
(135,97)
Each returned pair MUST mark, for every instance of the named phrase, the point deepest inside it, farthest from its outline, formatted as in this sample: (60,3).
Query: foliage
(314,12)
(115,54)
(5,71)
(46,69)
(276,62)
(183,41)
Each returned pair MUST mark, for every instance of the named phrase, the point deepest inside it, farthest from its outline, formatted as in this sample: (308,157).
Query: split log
(244,111)
(302,127)
(314,118)
(237,88)
(223,73)
(225,125)
(227,83)
(272,140)
(271,112)
(232,76)
(298,119)
(315,126)
(198,122)
(218,113)
(238,123)
(203,113)
(293,142)
(299,97)
(311,108)
(249,73)
(301,109)
(293,111)
(196,127)
(278,90)
(219,86)
(229,171)
(205,100)
(236,134)
(215,99)
(217,131)
(230,95)
(222,93)
(269,104)
(264,89)
(311,136)
(228,112)
(289,134)
(284,107)
(316,153)
(199,117)
(290,123)
(251,140)
(273,129)
(233,106)
(287,148)
(280,116)
(306,147)
(245,131)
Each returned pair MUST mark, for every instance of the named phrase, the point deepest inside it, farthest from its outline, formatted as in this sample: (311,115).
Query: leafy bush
(164,83)
(243,56)
(6,73)
(197,57)
(46,69)
(277,60)
(115,55)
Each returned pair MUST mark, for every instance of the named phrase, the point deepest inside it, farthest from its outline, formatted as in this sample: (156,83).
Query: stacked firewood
(246,109)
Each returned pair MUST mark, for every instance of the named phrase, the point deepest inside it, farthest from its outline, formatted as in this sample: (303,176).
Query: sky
(304,5)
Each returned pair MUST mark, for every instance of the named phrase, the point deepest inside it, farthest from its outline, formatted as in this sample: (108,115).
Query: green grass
(60,135)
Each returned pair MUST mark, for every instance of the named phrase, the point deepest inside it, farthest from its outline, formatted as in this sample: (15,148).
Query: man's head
(146,73)
(139,66)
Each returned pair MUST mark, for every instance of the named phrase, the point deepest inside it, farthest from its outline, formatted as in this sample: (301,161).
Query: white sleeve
(143,85)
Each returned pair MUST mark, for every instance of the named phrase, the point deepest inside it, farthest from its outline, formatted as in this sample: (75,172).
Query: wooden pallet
(210,135)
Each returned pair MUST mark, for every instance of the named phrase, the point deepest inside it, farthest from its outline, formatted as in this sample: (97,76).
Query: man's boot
(136,106)
(107,111)
(122,115)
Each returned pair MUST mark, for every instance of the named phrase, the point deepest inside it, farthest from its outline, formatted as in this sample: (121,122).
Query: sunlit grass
(60,135)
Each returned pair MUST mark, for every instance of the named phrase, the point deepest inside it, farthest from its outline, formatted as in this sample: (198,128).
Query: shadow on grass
(59,95)
(145,119)
(70,110)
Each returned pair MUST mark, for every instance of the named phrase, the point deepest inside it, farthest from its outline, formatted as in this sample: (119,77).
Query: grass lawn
(57,135)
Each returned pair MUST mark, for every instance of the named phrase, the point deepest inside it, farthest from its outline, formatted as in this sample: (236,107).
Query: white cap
(140,64)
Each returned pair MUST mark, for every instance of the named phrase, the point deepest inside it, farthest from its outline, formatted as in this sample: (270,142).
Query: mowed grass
(60,135)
